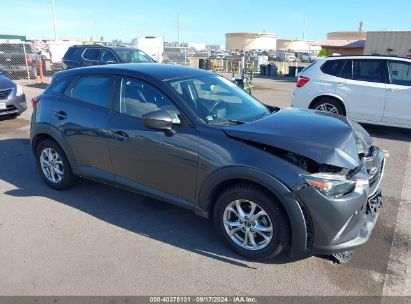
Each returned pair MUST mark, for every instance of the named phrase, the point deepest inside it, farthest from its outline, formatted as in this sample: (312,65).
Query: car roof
(368,57)
(115,47)
(158,70)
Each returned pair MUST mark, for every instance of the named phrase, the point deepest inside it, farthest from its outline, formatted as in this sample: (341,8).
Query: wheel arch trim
(286,197)
(57,136)
(332,95)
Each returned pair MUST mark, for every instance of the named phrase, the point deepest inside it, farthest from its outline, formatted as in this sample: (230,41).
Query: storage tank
(250,41)
(153,46)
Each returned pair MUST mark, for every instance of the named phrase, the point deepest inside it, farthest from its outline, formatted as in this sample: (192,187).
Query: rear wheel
(33,72)
(330,105)
(53,165)
(252,222)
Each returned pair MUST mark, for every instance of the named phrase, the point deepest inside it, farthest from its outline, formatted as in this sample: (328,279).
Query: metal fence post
(25,60)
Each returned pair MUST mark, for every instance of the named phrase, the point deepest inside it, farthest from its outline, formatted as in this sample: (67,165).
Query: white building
(250,41)
(153,46)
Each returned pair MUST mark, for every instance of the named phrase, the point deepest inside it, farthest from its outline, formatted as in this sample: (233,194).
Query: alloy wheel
(248,224)
(52,165)
(327,107)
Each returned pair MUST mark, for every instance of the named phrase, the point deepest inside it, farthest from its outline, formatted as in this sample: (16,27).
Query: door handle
(60,114)
(340,84)
(391,90)
(120,135)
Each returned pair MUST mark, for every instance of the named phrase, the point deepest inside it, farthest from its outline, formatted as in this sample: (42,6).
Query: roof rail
(373,55)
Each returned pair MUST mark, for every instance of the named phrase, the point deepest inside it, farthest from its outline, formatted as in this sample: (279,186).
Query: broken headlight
(330,184)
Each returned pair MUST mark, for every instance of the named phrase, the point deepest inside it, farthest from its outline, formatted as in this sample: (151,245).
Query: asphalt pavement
(94,239)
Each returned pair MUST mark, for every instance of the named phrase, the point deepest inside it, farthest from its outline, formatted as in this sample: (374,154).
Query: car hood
(322,137)
(5,83)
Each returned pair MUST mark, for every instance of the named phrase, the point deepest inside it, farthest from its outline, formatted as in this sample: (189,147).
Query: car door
(82,116)
(398,105)
(148,158)
(91,56)
(362,85)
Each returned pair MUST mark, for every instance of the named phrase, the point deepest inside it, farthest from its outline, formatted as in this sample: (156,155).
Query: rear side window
(57,86)
(92,54)
(332,67)
(368,70)
(96,90)
(400,72)
(73,53)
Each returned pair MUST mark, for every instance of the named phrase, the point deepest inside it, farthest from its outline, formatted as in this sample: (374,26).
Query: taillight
(28,60)
(35,101)
(302,81)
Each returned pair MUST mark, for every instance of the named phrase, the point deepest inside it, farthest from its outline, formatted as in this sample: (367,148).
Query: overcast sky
(200,21)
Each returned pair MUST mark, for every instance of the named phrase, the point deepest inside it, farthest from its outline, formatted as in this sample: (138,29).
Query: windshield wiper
(227,122)
(259,116)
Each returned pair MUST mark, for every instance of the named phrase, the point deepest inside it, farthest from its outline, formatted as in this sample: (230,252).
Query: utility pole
(54,19)
(178,29)
(305,27)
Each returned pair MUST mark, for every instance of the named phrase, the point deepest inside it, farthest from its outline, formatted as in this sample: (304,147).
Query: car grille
(374,163)
(4,94)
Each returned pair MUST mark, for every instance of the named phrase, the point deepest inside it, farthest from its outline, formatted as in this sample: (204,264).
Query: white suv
(369,89)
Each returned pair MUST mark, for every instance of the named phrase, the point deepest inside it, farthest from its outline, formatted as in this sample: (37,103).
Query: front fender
(286,197)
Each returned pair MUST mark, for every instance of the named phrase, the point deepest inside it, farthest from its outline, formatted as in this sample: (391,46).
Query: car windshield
(133,56)
(218,101)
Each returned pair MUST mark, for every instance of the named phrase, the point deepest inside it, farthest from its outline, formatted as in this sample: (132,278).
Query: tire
(61,181)
(33,73)
(330,105)
(274,215)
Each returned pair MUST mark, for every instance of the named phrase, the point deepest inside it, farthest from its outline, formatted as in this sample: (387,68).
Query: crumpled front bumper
(337,225)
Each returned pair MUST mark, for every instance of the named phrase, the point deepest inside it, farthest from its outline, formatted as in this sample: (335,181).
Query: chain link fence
(19,60)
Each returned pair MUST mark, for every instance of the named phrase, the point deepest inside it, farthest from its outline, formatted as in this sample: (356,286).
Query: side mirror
(159,120)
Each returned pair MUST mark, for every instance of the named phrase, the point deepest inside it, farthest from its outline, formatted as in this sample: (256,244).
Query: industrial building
(250,41)
(344,43)
(391,43)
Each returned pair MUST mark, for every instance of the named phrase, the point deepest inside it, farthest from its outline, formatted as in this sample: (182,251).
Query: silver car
(12,98)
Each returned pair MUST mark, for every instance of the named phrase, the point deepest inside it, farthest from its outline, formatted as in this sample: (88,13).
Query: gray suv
(270,178)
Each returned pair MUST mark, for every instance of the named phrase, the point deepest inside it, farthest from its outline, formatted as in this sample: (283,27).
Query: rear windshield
(15,48)
(73,52)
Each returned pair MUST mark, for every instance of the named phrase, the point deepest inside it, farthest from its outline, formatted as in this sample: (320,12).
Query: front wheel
(252,222)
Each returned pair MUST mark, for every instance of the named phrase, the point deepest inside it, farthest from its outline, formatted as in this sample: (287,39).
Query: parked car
(12,98)
(52,55)
(18,58)
(368,89)
(286,57)
(88,55)
(307,57)
(270,178)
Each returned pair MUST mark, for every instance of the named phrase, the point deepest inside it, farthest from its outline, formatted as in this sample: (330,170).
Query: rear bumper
(14,105)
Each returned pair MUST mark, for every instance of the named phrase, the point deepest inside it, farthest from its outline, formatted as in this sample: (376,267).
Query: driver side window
(138,98)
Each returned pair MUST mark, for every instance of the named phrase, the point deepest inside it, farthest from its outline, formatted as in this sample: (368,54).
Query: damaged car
(273,180)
